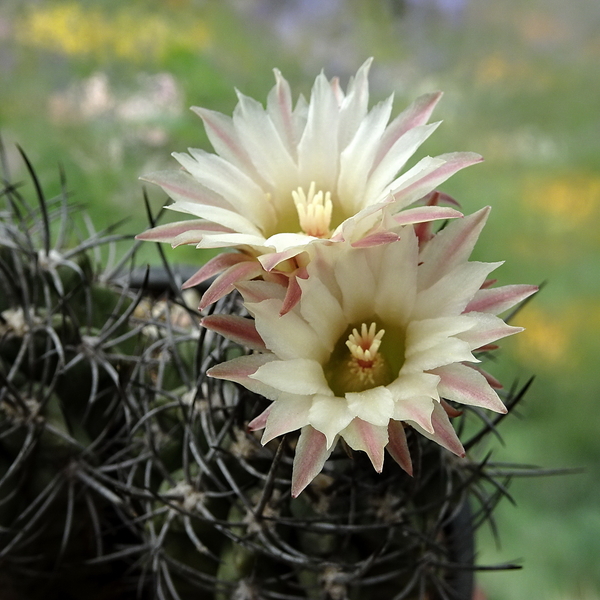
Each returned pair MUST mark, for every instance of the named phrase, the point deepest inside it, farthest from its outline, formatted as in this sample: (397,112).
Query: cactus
(126,472)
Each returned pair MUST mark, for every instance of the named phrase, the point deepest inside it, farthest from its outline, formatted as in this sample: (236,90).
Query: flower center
(356,364)
(314,211)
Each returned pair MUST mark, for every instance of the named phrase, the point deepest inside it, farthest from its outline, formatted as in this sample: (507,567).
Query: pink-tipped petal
(493,382)
(488,328)
(311,454)
(416,114)
(279,107)
(497,300)
(181,232)
(467,386)
(214,266)
(443,167)
(293,294)
(397,446)
(443,432)
(260,422)
(451,247)
(182,187)
(238,329)
(372,439)
(239,370)
(225,282)
(223,137)
(376,238)
(287,414)
(424,214)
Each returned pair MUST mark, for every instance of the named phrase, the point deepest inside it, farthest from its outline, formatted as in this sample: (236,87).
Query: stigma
(314,211)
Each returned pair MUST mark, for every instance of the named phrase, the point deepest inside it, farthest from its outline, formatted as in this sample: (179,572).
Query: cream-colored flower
(380,336)
(284,178)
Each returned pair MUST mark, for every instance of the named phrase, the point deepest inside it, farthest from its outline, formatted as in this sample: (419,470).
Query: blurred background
(103,89)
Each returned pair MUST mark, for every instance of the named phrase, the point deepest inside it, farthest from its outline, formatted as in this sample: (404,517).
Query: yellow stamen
(314,211)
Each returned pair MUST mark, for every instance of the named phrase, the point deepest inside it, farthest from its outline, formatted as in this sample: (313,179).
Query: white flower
(378,338)
(284,178)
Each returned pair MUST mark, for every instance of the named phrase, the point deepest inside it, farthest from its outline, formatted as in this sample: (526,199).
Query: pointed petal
(416,114)
(318,148)
(215,265)
(450,247)
(238,329)
(424,214)
(227,218)
(376,238)
(444,433)
(397,446)
(299,376)
(497,300)
(286,415)
(354,106)
(381,180)
(181,232)
(279,107)
(288,335)
(225,282)
(260,422)
(259,290)
(428,174)
(224,138)
(417,409)
(292,295)
(239,370)
(182,187)
(311,454)
(488,328)
(357,158)
(226,180)
(265,147)
(451,294)
(360,435)
(467,386)
(329,415)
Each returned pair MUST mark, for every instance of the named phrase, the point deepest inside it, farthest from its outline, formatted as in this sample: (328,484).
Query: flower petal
(416,114)
(428,174)
(360,435)
(288,336)
(329,415)
(239,370)
(450,294)
(286,415)
(311,454)
(444,433)
(376,406)
(300,376)
(225,282)
(397,446)
(238,329)
(488,328)
(224,138)
(450,247)
(214,266)
(381,180)
(318,149)
(497,300)
(465,385)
